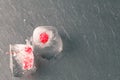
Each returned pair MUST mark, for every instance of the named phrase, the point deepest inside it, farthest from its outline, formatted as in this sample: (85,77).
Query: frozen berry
(44,37)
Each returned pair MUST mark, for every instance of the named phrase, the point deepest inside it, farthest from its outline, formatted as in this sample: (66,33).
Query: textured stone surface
(90,30)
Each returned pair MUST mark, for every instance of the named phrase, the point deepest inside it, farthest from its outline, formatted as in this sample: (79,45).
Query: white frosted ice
(54,44)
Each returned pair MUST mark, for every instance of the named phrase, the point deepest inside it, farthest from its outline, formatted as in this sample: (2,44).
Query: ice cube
(21,59)
(46,41)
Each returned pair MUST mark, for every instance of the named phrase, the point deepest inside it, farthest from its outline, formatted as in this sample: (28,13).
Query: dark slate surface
(90,30)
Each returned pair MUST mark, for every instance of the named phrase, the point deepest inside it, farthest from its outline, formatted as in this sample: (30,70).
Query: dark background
(90,30)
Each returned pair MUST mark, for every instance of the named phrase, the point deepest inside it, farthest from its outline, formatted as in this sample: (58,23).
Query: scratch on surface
(113,33)
(94,35)
(95,51)
(87,42)
(12,5)
(98,8)
(74,10)
(45,18)
(13,31)
(66,33)
(83,15)
(112,12)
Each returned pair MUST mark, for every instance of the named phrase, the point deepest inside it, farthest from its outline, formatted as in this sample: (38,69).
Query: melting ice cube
(47,41)
(21,59)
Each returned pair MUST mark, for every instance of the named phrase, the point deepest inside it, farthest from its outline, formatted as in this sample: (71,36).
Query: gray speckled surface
(90,31)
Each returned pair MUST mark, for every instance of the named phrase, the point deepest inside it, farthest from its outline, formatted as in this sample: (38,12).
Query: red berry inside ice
(28,63)
(44,37)
(28,49)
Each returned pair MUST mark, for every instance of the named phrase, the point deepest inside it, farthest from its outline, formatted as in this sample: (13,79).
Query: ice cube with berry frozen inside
(47,41)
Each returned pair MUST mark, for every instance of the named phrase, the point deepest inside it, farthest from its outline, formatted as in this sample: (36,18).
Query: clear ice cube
(46,41)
